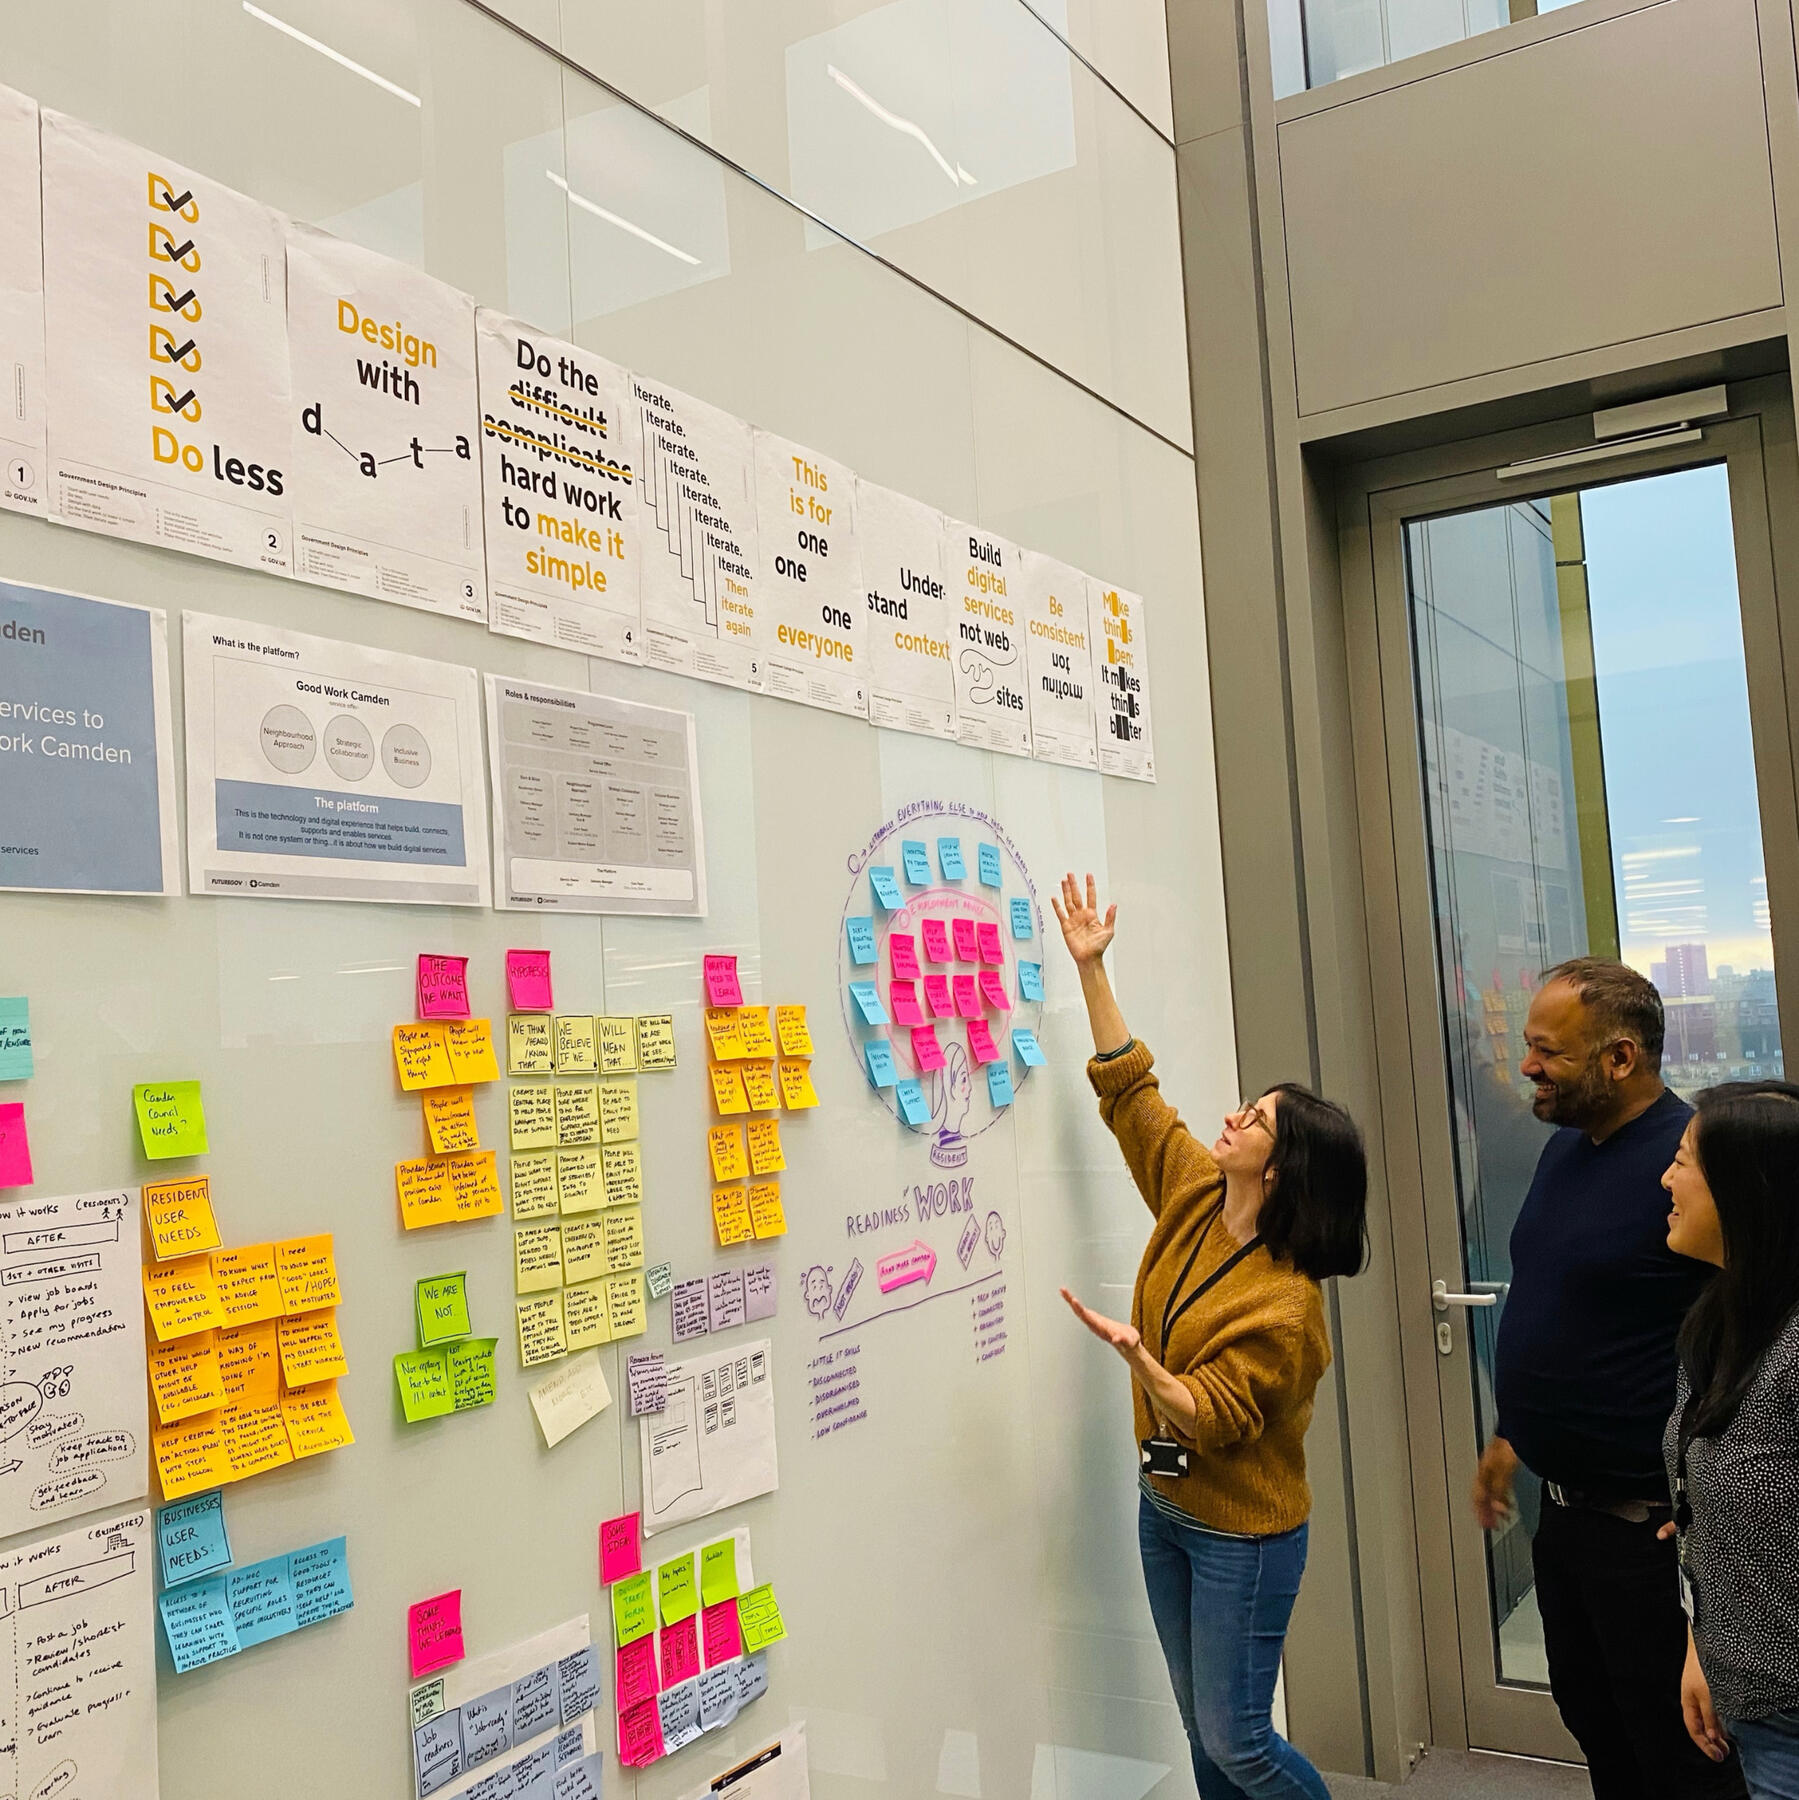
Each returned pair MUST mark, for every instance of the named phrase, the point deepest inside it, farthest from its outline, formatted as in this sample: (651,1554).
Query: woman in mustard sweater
(1226,1344)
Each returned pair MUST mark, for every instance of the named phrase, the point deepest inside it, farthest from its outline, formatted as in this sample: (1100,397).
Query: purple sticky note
(724,1301)
(993,952)
(759,1292)
(637,1672)
(968,942)
(723,1634)
(925,1048)
(680,1651)
(902,947)
(993,990)
(968,1002)
(687,1309)
(936,941)
(980,1041)
(902,996)
(936,991)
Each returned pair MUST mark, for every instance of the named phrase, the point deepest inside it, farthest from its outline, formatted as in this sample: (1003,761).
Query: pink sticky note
(968,943)
(936,991)
(443,987)
(637,1673)
(680,1650)
(925,1048)
(968,1002)
(980,1041)
(936,941)
(15,1147)
(993,990)
(992,951)
(724,1637)
(640,1733)
(903,996)
(620,1552)
(902,947)
(434,1632)
(721,981)
(528,980)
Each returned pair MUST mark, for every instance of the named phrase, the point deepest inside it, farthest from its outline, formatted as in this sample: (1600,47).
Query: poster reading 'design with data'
(987,641)
(1127,745)
(23,484)
(385,484)
(559,462)
(809,612)
(1058,660)
(910,632)
(165,315)
(319,770)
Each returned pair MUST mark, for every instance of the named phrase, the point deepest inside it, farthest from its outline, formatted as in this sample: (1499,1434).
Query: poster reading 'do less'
(165,335)
(559,465)
(1127,745)
(1058,660)
(987,640)
(911,633)
(385,485)
(24,468)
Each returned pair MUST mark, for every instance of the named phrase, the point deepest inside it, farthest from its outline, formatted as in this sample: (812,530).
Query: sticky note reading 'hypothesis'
(528,980)
(170,1119)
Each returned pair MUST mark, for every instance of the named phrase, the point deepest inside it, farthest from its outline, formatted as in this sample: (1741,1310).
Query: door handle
(1442,1299)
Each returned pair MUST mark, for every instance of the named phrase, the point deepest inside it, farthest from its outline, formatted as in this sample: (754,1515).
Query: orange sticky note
(725,1142)
(797,1091)
(424,1189)
(727,1089)
(179,1214)
(767,1216)
(255,1439)
(307,1272)
(766,1156)
(470,1046)
(725,1031)
(190,1456)
(184,1377)
(759,1086)
(795,1034)
(731,1216)
(311,1349)
(422,1055)
(752,1027)
(450,1119)
(474,1185)
(249,1366)
(182,1297)
(246,1282)
(315,1419)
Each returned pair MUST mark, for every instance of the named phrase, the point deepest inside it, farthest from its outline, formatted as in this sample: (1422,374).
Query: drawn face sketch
(816,1283)
(955,1088)
(996,1235)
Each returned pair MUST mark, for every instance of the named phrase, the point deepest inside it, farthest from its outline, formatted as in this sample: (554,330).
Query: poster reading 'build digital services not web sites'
(319,770)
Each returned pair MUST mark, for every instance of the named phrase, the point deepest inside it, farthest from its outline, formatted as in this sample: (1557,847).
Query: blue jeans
(1769,1749)
(1221,1606)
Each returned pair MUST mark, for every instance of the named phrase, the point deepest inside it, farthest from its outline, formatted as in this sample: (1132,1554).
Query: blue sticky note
(533,1776)
(1023,925)
(486,1727)
(580,1781)
(914,1108)
(886,888)
(999,1083)
(196,1619)
(580,1678)
(752,1677)
(988,857)
(568,1744)
(321,1577)
(868,1001)
(262,1601)
(862,939)
(15,1039)
(949,859)
(1030,981)
(437,1751)
(917,860)
(1026,1048)
(191,1538)
(878,1054)
(536,1703)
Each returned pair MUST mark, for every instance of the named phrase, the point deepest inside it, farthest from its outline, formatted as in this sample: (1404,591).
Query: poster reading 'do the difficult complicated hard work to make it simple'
(559,463)
(1127,745)
(987,641)
(596,803)
(1058,660)
(319,770)
(165,330)
(911,674)
(385,484)
(23,484)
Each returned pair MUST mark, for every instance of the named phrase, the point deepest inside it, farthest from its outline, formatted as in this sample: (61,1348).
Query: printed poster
(809,615)
(559,463)
(596,803)
(991,710)
(385,487)
(87,753)
(1127,745)
(165,308)
(319,770)
(1058,660)
(911,677)
(700,560)
(24,458)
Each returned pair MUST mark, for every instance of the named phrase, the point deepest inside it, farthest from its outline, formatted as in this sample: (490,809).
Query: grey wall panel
(1606,184)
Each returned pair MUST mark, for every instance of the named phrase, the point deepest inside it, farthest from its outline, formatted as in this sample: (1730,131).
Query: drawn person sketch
(815,1284)
(996,1236)
(949,1109)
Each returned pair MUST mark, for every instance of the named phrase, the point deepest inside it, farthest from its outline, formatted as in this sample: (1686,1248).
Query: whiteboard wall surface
(958,1570)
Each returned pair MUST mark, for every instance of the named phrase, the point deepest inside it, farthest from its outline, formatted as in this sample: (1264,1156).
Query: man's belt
(1636,1512)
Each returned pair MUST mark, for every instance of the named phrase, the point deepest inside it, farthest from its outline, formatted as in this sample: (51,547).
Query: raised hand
(1083,930)
(1121,1336)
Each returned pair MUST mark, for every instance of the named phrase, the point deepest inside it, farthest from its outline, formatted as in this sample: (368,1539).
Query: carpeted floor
(1469,1775)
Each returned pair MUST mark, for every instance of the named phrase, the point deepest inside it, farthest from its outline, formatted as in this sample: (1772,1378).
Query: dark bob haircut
(1316,1213)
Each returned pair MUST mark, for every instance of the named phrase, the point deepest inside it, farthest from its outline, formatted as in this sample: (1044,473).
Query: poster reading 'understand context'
(596,803)
(319,770)
(165,315)
(912,682)
(22,437)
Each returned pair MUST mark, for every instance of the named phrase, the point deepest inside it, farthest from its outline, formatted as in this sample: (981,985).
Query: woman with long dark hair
(1732,1444)
(1225,1344)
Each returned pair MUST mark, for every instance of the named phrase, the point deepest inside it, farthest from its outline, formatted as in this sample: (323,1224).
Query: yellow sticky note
(190,1456)
(618,1045)
(727,1089)
(725,1144)
(724,1028)
(627,1312)
(731,1216)
(535,1191)
(179,1214)
(182,1296)
(307,1272)
(184,1377)
(531,1115)
(580,1180)
(577,1045)
(422,1055)
(624,1174)
(450,1119)
(759,1086)
(577,1113)
(474,1185)
(655,1040)
(752,1026)
(624,1239)
(423,1185)
(766,1156)
(530,1046)
(470,1043)
(767,1218)
(793,1031)
(315,1419)
(255,1438)
(797,1091)
(583,1249)
(585,1315)
(250,1363)
(311,1349)
(245,1278)
(618,1111)
(541,1336)
(537,1257)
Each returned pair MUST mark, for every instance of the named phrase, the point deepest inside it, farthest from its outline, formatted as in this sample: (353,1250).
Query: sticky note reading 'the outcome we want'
(170,1118)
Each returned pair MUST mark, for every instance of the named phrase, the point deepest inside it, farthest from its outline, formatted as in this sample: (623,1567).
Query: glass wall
(1320,41)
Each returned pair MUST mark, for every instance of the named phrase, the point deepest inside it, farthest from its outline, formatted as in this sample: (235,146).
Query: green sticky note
(760,1619)
(15,1038)
(675,1590)
(471,1373)
(633,1608)
(443,1309)
(718,1571)
(424,1380)
(170,1118)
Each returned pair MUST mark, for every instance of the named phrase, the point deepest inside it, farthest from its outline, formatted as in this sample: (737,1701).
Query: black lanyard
(1172,1314)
